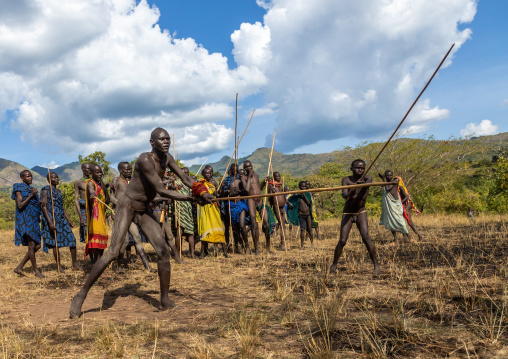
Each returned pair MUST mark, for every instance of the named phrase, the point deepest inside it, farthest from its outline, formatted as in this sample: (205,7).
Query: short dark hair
(357,160)
(121,164)
(22,173)
(51,173)
(302,182)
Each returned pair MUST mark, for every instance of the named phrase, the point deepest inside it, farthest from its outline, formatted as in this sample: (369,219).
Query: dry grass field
(443,297)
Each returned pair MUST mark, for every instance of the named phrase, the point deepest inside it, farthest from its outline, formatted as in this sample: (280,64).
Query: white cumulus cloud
(484,128)
(340,68)
(100,75)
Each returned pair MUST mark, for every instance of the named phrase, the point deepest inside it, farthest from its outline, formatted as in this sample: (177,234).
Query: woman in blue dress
(28,217)
(62,226)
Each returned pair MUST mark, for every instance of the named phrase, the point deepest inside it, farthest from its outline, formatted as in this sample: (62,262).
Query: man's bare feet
(61,270)
(333,268)
(75,266)
(39,274)
(77,303)
(152,270)
(19,271)
(167,304)
(377,270)
(120,270)
(179,260)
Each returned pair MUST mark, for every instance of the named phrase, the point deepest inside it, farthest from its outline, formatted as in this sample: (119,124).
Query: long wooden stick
(408,111)
(54,222)
(173,145)
(111,209)
(236,126)
(236,147)
(266,188)
(206,159)
(312,190)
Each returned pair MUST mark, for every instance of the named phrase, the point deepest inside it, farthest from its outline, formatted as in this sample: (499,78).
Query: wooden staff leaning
(236,147)
(266,188)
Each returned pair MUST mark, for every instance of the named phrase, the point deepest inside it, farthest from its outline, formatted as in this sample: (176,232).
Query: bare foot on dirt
(39,274)
(377,271)
(333,268)
(167,304)
(77,267)
(19,271)
(77,303)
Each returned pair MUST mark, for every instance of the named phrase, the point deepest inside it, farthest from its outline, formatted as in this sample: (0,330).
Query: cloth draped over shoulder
(183,209)
(64,235)
(413,207)
(97,236)
(27,219)
(209,220)
(294,199)
(392,213)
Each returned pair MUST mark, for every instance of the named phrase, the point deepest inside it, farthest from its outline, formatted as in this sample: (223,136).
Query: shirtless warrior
(80,200)
(354,212)
(278,204)
(118,187)
(250,182)
(145,184)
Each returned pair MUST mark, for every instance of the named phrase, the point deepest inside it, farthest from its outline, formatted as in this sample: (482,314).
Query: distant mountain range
(297,165)
(301,165)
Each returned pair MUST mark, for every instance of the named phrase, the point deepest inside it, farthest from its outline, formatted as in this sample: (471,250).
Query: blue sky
(284,69)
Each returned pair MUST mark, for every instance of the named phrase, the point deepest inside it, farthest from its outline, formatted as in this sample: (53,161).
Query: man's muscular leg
(138,244)
(124,216)
(362,223)
(155,236)
(266,228)
(345,228)
(251,204)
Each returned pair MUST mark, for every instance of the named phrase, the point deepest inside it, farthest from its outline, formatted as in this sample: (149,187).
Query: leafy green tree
(98,158)
(67,190)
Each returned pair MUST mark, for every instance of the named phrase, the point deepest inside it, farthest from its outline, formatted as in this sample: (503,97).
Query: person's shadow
(110,297)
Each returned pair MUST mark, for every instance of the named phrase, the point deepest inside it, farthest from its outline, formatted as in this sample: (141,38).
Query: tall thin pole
(407,113)
(238,144)
(173,145)
(236,126)
(266,187)
(54,222)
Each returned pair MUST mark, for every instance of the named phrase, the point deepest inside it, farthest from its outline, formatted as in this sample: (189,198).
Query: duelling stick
(173,145)
(111,209)
(54,221)
(407,113)
(266,188)
(236,147)
(236,126)
(312,190)
(206,159)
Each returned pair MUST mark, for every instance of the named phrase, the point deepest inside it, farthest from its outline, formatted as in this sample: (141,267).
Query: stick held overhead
(408,111)
(312,190)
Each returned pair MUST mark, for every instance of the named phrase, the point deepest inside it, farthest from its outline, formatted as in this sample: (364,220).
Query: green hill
(297,165)
(9,174)
(305,164)
(67,173)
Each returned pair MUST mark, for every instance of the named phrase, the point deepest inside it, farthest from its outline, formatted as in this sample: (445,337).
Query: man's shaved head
(155,133)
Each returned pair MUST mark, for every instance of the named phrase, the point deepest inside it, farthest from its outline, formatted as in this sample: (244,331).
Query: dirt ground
(442,297)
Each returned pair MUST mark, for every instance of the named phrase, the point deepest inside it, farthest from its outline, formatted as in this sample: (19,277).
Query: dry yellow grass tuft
(443,297)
